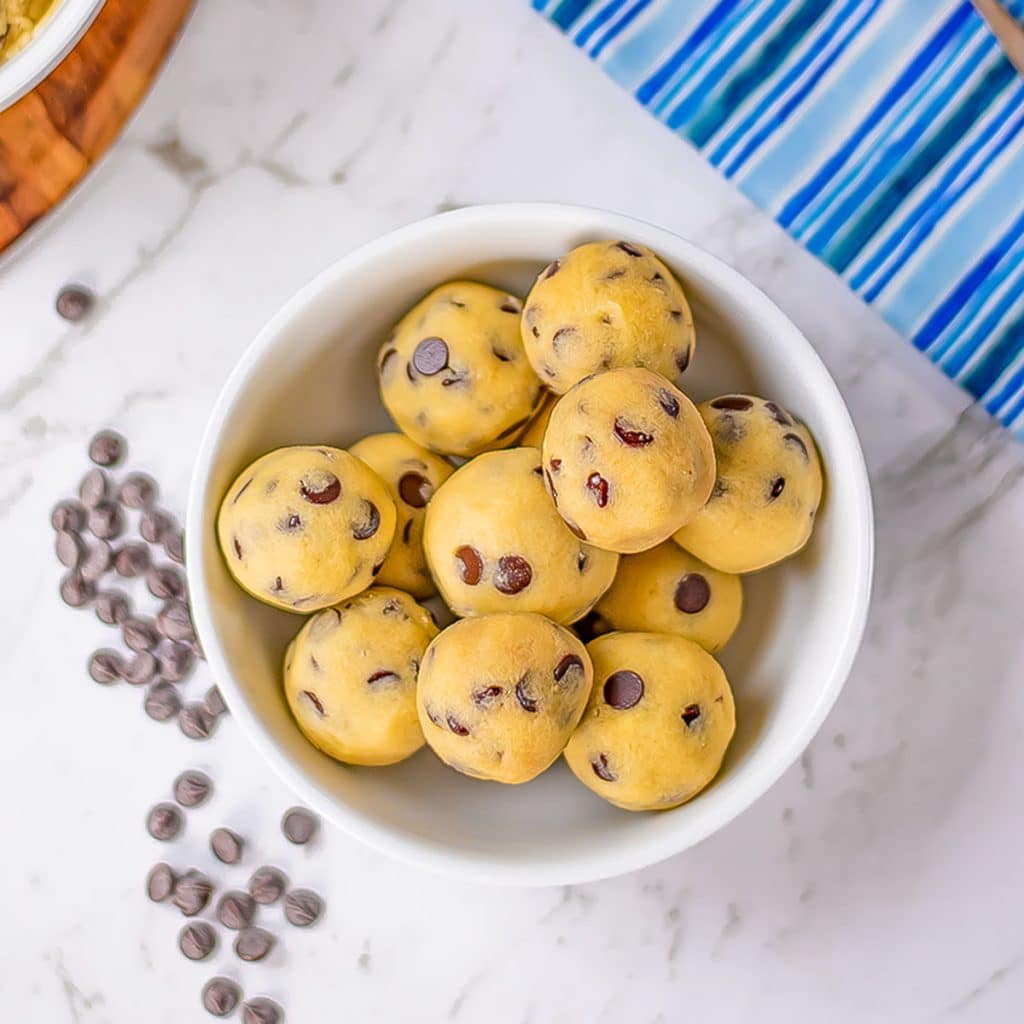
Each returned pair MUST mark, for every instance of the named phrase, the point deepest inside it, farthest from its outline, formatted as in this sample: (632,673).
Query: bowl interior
(309,378)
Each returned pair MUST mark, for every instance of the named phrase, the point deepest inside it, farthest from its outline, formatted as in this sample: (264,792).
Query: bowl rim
(584,865)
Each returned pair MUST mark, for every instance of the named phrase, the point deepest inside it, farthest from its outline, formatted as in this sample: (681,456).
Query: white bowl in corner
(309,378)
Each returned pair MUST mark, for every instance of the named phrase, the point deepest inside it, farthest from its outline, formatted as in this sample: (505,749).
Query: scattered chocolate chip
(677,315)
(320,487)
(690,713)
(692,593)
(526,702)
(407,531)
(290,523)
(564,335)
(112,607)
(175,622)
(153,524)
(779,415)
(510,305)
(261,1011)
(573,528)
(430,356)
(734,403)
(192,787)
(317,703)
(165,581)
(141,669)
(630,437)
(551,269)
(106,666)
(456,726)
(512,575)
(598,486)
(778,486)
(96,563)
(796,442)
(582,560)
(613,275)
(67,515)
(73,303)
(601,769)
(656,277)
(266,885)
(131,559)
(192,893)
(668,402)
(471,565)
(683,360)
(226,845)
(383,676)
(137,490)
(106,520)
(502,357)
(485,696)
(253,944)
(221,996)
(303,907)
(197,940)
(176,662)
(552,490)
(370,525)
(434,716)
(298,825)
(569,663)
(93,488)
(139,634)
(235,910)
(107,448)
(555,464)
(415,489)
(385,357)
(162,702)
(160,882)
(214,701)
(164,822)
(69,548)
(76,591)
(630,250)
(196,722)
(623,690)
(174,546)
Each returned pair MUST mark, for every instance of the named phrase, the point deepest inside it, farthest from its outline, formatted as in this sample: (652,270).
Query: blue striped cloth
(885,135)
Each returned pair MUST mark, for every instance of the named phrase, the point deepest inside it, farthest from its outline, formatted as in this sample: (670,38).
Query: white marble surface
(881,880)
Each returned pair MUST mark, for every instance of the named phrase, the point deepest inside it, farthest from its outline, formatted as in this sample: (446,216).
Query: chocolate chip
(261,1011)
(141,669)
(226,845)
(434,716)
(779,415)
(471,565)
(107,448)
(682,360)
(798,444)
(510,305)
(690,713)
(430,356)
(298,825)
(573,528)
(69,548)
(485,696)
(502,357)
(192,787)
(623,690)
(598,486)
(162,702)
(112,607)
(512,575)
(456,726)
(526,702)
(175,622)
(214,701)
(317,703)
(303,907)
(164,822)
(160,882)
(677,315)
(192,893)
(407,531)
(551,269)
(552,490)
(320,487)
(106,520)
(734,403)
(778,486)
(266,885)
(196,722)
(601,769)
(93,488)
(96,562)
(569,663)
(106,666)
(383,676)
(562,336)
(371,523)
(76,591)
(235,910)
(668,402)
(415,489)
(387,354)
(153,524)
(613,275)
(582,560)
(67,515)
(176,662)
(253,944)
(692,593)
(630,250)
(174,546)
(73,302)
(139,634)
(197,940)
(630,437)
(165,581)
(137,490)
(221,996)
(131,559)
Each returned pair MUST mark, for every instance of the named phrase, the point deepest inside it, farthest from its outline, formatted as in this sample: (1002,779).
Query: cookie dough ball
(495,543)
(627,459)
(533,435)
(667,590)
(350,677)
(499,695)
(305,527)
(605,305)
(658,722)
(411,474)
(768,488)
(453,373)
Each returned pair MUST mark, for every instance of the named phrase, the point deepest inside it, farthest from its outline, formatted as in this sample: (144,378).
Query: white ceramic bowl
(51,44)
(309,377)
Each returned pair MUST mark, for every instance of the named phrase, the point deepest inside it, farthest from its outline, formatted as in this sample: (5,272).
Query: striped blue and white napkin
(885,135)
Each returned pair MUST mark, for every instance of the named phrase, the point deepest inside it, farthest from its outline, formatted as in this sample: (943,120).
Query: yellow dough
(768,489)
(533,435)
(305,527)
(627,459)
(453,373)
(667,590)
(658,722)
(495,543)
(604,305)
(350,677)
(499,695)
(412,474)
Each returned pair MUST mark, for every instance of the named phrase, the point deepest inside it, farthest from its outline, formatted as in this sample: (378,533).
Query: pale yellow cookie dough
(667,590)
(658,722)
(350,677)
(453,373)
(627,459)
(768,488)
(605,305)
(533,435)
(412,475)
(499,695)
(305,527)
(495,543)
(19,22)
